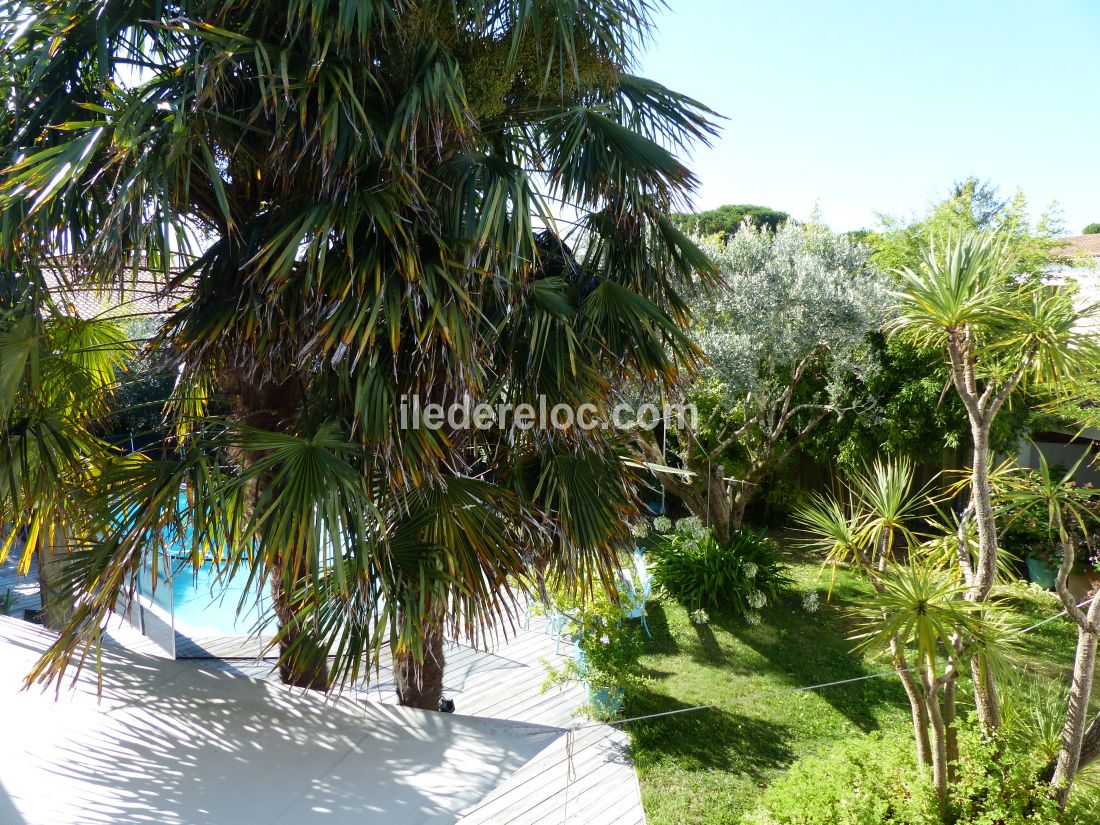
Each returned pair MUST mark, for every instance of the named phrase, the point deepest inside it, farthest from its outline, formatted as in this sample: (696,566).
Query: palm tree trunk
(917,706)
(1073,733)
(302,661)
(939,738)
(986,701)
(980,490)
(420,684)
(951,733)
(51,553)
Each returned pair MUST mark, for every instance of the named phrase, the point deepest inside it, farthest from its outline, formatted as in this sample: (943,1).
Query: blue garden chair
(634,601)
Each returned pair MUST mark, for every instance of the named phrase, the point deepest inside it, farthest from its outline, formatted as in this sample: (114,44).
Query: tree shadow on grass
(812,649)
(701,740)
(662,642)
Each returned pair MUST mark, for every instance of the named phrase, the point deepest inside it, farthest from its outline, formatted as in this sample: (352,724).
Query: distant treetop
(1092,229)
(725,220)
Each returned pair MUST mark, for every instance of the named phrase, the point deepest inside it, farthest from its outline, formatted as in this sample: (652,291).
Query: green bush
(872,780)
(743,576)
(1000,783)
(1092,229)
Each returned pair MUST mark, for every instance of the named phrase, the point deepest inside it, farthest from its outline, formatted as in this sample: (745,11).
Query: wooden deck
(582,778)
(23,590)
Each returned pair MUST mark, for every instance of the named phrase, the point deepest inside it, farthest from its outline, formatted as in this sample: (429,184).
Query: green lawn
(709,766)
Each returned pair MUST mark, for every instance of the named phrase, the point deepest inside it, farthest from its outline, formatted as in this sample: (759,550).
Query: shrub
(743,576)
(609,646)
(1000,783)
(1092,229)
(872,780)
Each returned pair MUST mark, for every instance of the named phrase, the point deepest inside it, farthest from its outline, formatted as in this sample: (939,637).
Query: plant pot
(1082,584)
(604,702)
(1040,573)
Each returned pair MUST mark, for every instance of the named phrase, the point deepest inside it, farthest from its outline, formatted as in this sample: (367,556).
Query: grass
(710,766)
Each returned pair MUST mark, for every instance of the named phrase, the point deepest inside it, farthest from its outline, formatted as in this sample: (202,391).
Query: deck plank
(594,785)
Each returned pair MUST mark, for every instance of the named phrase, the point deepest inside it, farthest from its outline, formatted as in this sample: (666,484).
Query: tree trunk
(302,661)
(917,706)
(741,498)
(986,701)
(986,569)
(420,684)
(951,733)
(1073,734)
(1090,744)
(939,739)
(51,552)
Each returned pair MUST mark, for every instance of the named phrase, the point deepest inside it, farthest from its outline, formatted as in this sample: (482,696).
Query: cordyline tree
(357,202)
(1067,509)
(1000,329)
(782,333)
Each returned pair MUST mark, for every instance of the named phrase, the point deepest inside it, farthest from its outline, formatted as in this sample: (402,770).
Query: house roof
(144,295)
(1080,244)
(178,741)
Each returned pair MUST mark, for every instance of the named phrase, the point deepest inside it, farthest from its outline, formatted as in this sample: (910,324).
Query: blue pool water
(206,601)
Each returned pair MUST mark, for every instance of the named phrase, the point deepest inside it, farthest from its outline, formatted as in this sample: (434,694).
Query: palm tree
(869,533)
(997,331)
(363,202)
(56,373)
(923,608)
(1069,522)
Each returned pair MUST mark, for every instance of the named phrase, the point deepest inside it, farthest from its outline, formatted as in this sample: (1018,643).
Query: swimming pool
(206,601)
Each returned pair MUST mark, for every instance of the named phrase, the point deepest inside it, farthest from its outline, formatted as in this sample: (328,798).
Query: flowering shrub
(608,647)
(699,616)
(811,601)
(743,576)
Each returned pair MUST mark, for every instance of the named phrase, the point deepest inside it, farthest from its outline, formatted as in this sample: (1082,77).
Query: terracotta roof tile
(1080,244)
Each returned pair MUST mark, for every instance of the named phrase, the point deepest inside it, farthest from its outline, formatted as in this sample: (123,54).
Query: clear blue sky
(877,106)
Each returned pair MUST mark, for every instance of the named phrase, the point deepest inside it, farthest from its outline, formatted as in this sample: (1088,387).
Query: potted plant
(605,660)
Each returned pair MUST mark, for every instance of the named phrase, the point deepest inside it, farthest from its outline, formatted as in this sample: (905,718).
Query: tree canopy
(726,220)
(355,203)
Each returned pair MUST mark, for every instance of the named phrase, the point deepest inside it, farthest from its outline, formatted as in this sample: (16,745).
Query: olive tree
(782,335)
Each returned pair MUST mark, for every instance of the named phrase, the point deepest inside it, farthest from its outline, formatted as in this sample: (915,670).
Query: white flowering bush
(742,576)
(639,530)
(662,524)
(691,526)
(811,602)
(699,616)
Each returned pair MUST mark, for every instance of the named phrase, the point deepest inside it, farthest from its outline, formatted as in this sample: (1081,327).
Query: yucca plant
(998,331)
(1070,522)
(355,203)
(921,608)
(867,531)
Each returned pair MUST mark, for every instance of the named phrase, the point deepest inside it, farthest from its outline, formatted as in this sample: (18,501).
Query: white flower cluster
(639,530)
(699,616)
(810,601)
(752,618)
(662,524)
(750,570)
(757,600)
(691,526)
